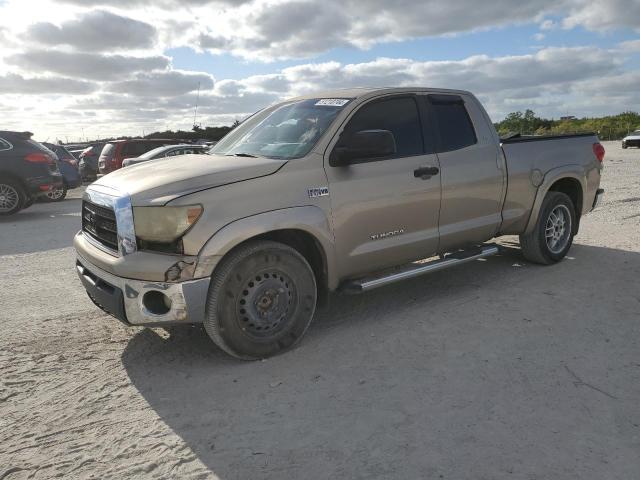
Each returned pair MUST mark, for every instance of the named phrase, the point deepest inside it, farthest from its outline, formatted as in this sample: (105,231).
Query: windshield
(150,154)
(289,130)
(637,132)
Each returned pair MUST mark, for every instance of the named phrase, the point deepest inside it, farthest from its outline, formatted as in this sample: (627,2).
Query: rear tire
(552,236)
(261,300)
(12,197)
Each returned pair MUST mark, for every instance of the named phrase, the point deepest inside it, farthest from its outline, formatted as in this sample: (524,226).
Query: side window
(143,147)
(399,116)
(4,145)
(171,153)
(454,125)
(128,149)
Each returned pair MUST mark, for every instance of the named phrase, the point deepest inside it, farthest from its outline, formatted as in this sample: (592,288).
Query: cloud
(86,65)
(630,46)
(603,15)
(302,28)
(163,84)
(12,83)
(96,30)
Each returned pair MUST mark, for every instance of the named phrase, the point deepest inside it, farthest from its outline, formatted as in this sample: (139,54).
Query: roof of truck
(369,91)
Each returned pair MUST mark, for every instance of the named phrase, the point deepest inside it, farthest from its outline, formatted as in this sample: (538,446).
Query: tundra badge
(318,192)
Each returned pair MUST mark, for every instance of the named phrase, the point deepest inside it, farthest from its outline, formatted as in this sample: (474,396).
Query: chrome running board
(415,270)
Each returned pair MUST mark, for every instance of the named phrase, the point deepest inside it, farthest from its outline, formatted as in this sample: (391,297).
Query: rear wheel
(552,236)
(57,194)
(261,300)
(12,197)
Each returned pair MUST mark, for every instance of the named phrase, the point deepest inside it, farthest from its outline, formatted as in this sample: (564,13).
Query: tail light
(39,157)
(598,151)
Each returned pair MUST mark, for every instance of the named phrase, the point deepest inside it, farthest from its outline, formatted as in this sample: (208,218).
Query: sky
(76,69)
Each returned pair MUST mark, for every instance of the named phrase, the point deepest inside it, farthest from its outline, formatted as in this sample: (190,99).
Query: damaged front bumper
(141,302)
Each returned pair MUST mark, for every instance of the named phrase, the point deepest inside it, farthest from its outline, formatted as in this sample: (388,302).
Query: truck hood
(160,181)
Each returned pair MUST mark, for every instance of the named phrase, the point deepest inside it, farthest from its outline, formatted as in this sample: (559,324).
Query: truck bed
(539,155)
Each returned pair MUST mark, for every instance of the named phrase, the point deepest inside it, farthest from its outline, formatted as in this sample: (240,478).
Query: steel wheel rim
(558,229)
(9,197)
(55,194)
(265,304)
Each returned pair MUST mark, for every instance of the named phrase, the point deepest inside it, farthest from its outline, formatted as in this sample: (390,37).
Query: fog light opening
(156,302)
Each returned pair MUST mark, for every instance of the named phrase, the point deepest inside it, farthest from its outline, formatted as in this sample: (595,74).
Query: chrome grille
(99,222)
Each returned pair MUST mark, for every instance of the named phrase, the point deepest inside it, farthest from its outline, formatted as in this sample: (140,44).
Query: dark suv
(115,152)
(27,170)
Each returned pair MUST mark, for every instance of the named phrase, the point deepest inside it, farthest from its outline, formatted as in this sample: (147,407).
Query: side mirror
(362,145)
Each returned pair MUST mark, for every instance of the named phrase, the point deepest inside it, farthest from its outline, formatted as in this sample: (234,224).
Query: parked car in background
(631,140)
(115,152)
(164,152)
(28,170)
(68,166)
(88,161)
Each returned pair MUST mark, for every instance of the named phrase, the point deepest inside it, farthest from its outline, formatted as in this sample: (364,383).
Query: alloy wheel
(9,197)
(558,229)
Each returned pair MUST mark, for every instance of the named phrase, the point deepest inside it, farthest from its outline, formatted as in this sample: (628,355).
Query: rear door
(385,213)
(471,174)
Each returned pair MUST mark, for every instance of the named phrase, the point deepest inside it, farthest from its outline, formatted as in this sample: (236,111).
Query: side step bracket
(417,269)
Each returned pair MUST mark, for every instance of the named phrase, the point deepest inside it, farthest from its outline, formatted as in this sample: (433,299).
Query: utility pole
(195,110)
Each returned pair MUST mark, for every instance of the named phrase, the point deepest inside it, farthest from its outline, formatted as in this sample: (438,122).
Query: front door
(385,210)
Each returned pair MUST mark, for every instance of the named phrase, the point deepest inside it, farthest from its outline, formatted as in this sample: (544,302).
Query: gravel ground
(498,369)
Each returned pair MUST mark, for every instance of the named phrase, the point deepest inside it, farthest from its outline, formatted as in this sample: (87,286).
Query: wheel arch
(569,180)
(306,229)
(10,175)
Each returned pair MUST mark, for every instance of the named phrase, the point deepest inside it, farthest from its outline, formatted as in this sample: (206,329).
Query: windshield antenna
(195,111)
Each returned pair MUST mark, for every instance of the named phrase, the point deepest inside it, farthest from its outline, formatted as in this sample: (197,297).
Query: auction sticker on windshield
(333,102)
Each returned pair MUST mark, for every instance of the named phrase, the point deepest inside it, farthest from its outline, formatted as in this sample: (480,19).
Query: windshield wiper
(241,155)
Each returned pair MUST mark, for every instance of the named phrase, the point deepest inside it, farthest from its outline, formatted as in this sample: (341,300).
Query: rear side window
(143,147)
(399,116)
(4,145)
(454,125)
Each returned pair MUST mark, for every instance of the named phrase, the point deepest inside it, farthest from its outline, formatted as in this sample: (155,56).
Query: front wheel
(261,300)
(553,233)
(624,146)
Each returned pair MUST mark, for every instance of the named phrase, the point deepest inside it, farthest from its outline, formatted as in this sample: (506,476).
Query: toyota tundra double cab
(344,190)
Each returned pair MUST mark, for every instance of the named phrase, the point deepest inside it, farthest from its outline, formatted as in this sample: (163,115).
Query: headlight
(164,224)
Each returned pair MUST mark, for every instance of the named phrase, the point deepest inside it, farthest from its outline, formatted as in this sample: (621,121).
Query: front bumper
(132,301)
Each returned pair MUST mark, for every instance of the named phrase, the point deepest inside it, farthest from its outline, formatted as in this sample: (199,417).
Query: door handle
(425,172)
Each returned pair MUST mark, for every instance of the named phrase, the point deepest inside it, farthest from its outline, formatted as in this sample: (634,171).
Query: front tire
(553,233)
(624,146)
(261,300)
(12,197)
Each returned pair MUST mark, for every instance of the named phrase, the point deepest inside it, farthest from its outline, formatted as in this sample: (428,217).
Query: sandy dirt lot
(498,369)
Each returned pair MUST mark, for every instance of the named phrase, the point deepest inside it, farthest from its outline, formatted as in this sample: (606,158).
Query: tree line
(612,127)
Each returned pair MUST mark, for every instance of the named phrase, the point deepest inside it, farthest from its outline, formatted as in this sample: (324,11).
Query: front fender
(309,219)
(574,171)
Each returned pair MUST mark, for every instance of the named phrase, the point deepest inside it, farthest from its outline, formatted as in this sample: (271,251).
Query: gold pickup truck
(342,190)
